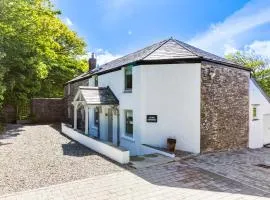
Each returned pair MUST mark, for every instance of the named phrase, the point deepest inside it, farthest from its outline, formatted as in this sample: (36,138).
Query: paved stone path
(238,165)
(168,181)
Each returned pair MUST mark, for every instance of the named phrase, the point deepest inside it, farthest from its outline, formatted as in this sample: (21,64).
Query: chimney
(92,62)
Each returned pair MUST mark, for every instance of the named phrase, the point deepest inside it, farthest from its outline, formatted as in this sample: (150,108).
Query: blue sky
(113,28)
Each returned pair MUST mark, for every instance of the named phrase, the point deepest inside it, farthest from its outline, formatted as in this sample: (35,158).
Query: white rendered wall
(119,155)
(172,92)
(257,136)
(130,101)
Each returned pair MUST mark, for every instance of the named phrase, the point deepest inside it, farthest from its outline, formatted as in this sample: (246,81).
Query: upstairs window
(128,78)
(255,112)
(96,81)
(129,123)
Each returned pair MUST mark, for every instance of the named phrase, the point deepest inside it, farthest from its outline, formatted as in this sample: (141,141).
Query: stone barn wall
(224,107)
(47,110)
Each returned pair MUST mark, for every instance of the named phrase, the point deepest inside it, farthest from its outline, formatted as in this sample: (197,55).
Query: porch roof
(96,96)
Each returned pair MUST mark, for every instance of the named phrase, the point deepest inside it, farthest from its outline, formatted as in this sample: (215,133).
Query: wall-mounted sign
(151,118)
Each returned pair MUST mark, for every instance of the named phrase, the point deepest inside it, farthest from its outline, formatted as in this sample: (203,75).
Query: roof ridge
(164,42)
(179,43)
(132,53)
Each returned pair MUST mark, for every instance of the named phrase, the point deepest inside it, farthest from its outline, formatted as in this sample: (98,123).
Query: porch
(96,122)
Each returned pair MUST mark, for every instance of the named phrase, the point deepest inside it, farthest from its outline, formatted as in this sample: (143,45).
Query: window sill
(127,91)
(130,139)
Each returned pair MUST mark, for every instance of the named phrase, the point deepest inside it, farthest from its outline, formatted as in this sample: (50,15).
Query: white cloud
(106,56)
(103,56)
(228,48)
(218,37)
(260,47)
(68,21)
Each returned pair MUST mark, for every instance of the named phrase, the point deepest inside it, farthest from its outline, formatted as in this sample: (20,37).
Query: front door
(110,125)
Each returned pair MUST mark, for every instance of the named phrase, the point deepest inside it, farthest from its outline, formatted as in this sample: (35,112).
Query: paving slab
(167,181)
(149,160)
(243,166)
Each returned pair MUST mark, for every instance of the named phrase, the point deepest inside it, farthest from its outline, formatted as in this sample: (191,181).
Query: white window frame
(254,111)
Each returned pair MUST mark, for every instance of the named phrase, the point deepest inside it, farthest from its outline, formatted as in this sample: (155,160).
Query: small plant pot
(171,144)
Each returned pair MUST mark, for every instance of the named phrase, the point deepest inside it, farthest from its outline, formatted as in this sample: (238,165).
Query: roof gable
(171,49)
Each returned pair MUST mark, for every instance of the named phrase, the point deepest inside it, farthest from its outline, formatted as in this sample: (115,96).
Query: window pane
(128,78)
(96,117)
(96,81)
(129,123)
(254,112)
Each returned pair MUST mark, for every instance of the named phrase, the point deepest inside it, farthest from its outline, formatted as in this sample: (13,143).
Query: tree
(2,86)
(260,67)
(41,52)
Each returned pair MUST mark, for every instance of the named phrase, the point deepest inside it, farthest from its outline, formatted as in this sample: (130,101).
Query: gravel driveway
(35,156)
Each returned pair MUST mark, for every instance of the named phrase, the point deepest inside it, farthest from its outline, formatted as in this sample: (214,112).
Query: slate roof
(169,49)
(260,88)
(98,95)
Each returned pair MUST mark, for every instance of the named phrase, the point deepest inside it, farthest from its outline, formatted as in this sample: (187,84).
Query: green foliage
(260,67)
(2,86)
(41,52)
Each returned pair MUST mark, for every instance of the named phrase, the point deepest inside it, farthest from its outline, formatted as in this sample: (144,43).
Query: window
(255,112)
(128,78)
(129,123)
(96,81)
(96,116)
(68,89)
(69,112)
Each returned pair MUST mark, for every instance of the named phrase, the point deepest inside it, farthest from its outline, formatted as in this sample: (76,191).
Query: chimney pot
(92,62)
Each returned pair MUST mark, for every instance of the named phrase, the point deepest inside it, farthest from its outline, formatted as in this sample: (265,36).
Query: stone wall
(69,96)
(224,107)
(8,114)
(45,110)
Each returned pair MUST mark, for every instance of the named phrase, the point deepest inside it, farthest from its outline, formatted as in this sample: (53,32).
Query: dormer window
(128,78)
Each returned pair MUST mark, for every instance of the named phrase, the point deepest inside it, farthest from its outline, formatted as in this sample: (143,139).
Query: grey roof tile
(204,54)
(98,95)
(169,49)
(130,58)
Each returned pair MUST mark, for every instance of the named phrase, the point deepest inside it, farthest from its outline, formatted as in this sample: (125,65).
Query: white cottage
(132,105)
